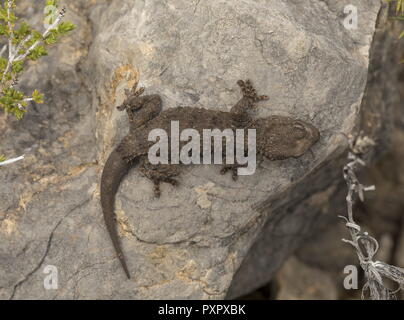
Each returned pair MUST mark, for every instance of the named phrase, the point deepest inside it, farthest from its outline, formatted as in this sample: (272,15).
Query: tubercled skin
(276,138)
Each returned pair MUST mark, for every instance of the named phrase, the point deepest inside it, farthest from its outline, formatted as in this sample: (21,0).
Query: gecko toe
(157,192)
(172,181)
(225,169)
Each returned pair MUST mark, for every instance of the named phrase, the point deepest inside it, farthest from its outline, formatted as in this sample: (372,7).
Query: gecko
(277,138)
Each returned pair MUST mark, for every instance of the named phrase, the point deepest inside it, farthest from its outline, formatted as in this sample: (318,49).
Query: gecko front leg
(246,103)
(242,117)
(140,109)
(233,168)
(159,173)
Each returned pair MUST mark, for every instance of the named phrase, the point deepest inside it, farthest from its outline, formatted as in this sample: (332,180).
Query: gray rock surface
(191,242)
(297,281)
(382,119)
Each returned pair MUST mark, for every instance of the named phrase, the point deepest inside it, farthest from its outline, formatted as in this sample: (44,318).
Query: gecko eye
(135,104)
(121,107)
(299,131)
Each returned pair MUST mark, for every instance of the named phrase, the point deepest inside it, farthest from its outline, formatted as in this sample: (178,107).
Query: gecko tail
(114,170)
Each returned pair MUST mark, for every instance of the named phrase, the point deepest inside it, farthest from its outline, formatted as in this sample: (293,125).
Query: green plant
(399,15)
(399,5)
(24,43)
(399,12)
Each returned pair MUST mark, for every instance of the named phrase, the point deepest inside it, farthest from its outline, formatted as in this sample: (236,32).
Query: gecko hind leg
(156,182)
(233,168)
(159,173)
(249,91)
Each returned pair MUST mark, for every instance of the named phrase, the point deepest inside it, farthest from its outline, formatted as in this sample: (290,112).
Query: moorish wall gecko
(277,138)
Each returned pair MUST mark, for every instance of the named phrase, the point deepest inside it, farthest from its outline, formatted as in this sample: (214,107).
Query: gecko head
(133,101)
(282,137)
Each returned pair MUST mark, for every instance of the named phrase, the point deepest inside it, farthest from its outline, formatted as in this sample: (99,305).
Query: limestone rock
(381,110)
(297,281)
(190,243)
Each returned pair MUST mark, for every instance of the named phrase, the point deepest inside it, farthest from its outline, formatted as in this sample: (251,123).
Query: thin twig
(3,50)
(10,41)
(10,30)
(6,162)
(13,53)
(57,21)
(365,245)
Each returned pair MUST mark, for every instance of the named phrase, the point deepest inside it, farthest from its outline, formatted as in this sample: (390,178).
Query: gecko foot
(249,91)
(232,168)
(171,181)
(130,95)
(134,92)
(157,191)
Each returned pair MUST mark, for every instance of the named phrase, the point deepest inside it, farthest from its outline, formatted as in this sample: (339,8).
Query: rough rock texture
(318,209)
(382,213)
(191,242)
(297,281)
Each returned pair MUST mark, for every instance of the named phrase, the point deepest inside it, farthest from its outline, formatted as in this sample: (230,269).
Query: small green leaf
(2,158)
(8,77)
(51,38)
(401,35)
(19,113)
(51,3)
(400,5)
(17,67)
(38,52)
(11,101)
(65,27)
(23,31)
(36,35)
(3,30)
(38,97)
(3,64)
(3,14)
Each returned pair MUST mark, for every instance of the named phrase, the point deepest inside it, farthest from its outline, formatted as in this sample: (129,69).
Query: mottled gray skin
(277,138)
